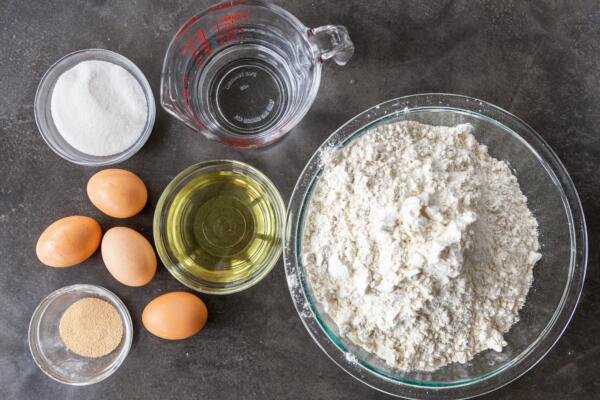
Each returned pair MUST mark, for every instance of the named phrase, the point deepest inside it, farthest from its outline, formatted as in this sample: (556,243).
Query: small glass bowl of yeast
(52,355)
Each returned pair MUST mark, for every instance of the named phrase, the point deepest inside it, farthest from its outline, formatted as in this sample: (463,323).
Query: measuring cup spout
(332,42)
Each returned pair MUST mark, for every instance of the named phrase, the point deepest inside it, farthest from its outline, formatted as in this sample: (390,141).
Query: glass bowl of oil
(218,226)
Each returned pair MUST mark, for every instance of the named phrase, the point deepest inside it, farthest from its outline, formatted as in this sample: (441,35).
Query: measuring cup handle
(332,42)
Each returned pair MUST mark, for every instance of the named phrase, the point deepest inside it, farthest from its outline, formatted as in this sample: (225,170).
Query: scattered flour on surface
(420,245)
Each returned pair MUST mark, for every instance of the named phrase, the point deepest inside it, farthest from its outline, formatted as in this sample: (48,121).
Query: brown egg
(68,241)
(175,315)
(117,192)
(128,256)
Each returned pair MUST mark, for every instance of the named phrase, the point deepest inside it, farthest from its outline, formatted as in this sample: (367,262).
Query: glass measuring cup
(246,72)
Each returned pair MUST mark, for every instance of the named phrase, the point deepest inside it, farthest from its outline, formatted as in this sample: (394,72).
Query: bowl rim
(41,308)
(577,228)
(158,226)
(41,103)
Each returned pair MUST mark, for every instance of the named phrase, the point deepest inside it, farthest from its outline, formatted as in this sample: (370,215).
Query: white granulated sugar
(420,245)
(99,108)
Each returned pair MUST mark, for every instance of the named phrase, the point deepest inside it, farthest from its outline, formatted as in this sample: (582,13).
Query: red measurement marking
(186,93)
(236,143)
(197,47)
(200,124)
(227,27)
(236,16)
(185,26)
(188,100)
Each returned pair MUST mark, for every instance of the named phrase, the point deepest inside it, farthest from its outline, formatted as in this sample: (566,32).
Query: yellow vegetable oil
(222,226)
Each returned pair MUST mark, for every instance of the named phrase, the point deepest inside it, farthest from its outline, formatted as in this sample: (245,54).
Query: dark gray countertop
(539,60)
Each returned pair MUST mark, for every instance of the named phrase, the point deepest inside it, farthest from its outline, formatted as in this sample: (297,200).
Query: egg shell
(128,256)
(175,315)
(68,241)
(117,192)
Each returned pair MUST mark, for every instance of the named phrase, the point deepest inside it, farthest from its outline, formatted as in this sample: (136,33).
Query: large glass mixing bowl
(558,276)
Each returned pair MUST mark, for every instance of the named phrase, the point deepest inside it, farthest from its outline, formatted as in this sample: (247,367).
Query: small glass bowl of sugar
(103,109)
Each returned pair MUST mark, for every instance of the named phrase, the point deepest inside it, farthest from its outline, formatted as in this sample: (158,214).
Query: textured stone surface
(539,60)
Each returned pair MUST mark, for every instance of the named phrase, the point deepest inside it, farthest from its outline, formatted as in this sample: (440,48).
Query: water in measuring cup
(245,89)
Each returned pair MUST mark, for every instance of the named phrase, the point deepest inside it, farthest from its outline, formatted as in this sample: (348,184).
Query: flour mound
(420,245)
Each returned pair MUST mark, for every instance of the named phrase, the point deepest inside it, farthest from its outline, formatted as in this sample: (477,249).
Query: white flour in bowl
(420,245)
